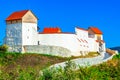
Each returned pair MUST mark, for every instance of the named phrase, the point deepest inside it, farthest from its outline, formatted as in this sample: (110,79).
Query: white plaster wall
(83,34)
(101,37)
(68,41)
(91,44)
(13,34)
(96,46)
(104,46)
(29,34)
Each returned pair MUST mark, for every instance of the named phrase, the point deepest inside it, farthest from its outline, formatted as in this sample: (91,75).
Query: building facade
(22,33)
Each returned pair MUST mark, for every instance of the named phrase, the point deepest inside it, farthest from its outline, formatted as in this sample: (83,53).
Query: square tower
(21,29)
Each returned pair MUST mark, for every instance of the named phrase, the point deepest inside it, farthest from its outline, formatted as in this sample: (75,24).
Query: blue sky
(104,14)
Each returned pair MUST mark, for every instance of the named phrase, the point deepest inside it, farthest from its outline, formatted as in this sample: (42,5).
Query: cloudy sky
(67,14)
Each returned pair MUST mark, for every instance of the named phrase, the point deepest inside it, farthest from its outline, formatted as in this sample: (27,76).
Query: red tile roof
(57,33)
(95,30)
(17,15)
(52,30)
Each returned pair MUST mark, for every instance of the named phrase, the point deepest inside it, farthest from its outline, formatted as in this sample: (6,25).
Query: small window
(38,42)
(19,21)
(91,35)
(98,37)
(14,21)
(9,22)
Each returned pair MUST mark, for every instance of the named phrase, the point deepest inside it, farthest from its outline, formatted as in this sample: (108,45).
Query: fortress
(22,36)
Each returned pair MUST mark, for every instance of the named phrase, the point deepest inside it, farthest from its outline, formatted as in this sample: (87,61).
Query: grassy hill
(28,67)
(11,61)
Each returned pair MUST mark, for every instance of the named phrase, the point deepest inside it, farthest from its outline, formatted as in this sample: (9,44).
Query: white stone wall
(13,34)
(26,34)
(81,33)
(29,34)
(68,41)
(91,44)
(50,50)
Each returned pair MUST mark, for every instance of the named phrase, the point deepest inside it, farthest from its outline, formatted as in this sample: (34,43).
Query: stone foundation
(45,49)
(51,50)
(42,49)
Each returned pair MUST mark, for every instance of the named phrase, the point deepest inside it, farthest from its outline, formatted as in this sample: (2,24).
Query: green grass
(106,71)
(16,66)
(117,56)
(10,61)
(89,55)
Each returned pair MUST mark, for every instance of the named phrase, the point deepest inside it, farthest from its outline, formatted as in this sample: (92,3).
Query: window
(91,35)
(14,21)
(98,37)
(9,22)
(38,42)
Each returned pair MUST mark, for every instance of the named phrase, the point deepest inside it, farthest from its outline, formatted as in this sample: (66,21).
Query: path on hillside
(87,61)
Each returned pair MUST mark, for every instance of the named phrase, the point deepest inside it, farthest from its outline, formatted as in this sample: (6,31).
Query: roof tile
(95,30)
(17,15)
(51,30)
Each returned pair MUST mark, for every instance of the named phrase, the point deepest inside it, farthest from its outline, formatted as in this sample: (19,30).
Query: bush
(117,56)
(3,48)
(66,73)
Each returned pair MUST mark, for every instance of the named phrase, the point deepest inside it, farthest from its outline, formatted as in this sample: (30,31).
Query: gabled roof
(17,15)
(95,30)
(51,30)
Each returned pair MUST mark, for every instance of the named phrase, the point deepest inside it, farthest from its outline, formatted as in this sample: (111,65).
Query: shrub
(66,73)
(117,56)
(3,48)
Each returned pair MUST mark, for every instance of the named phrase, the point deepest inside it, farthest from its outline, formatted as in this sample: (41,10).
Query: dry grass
(36,61)
(89,55)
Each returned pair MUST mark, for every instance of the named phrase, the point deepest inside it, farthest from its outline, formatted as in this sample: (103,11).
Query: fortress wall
(82,35)
(44,49)
(68,41)
(59,44)
(51,50)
